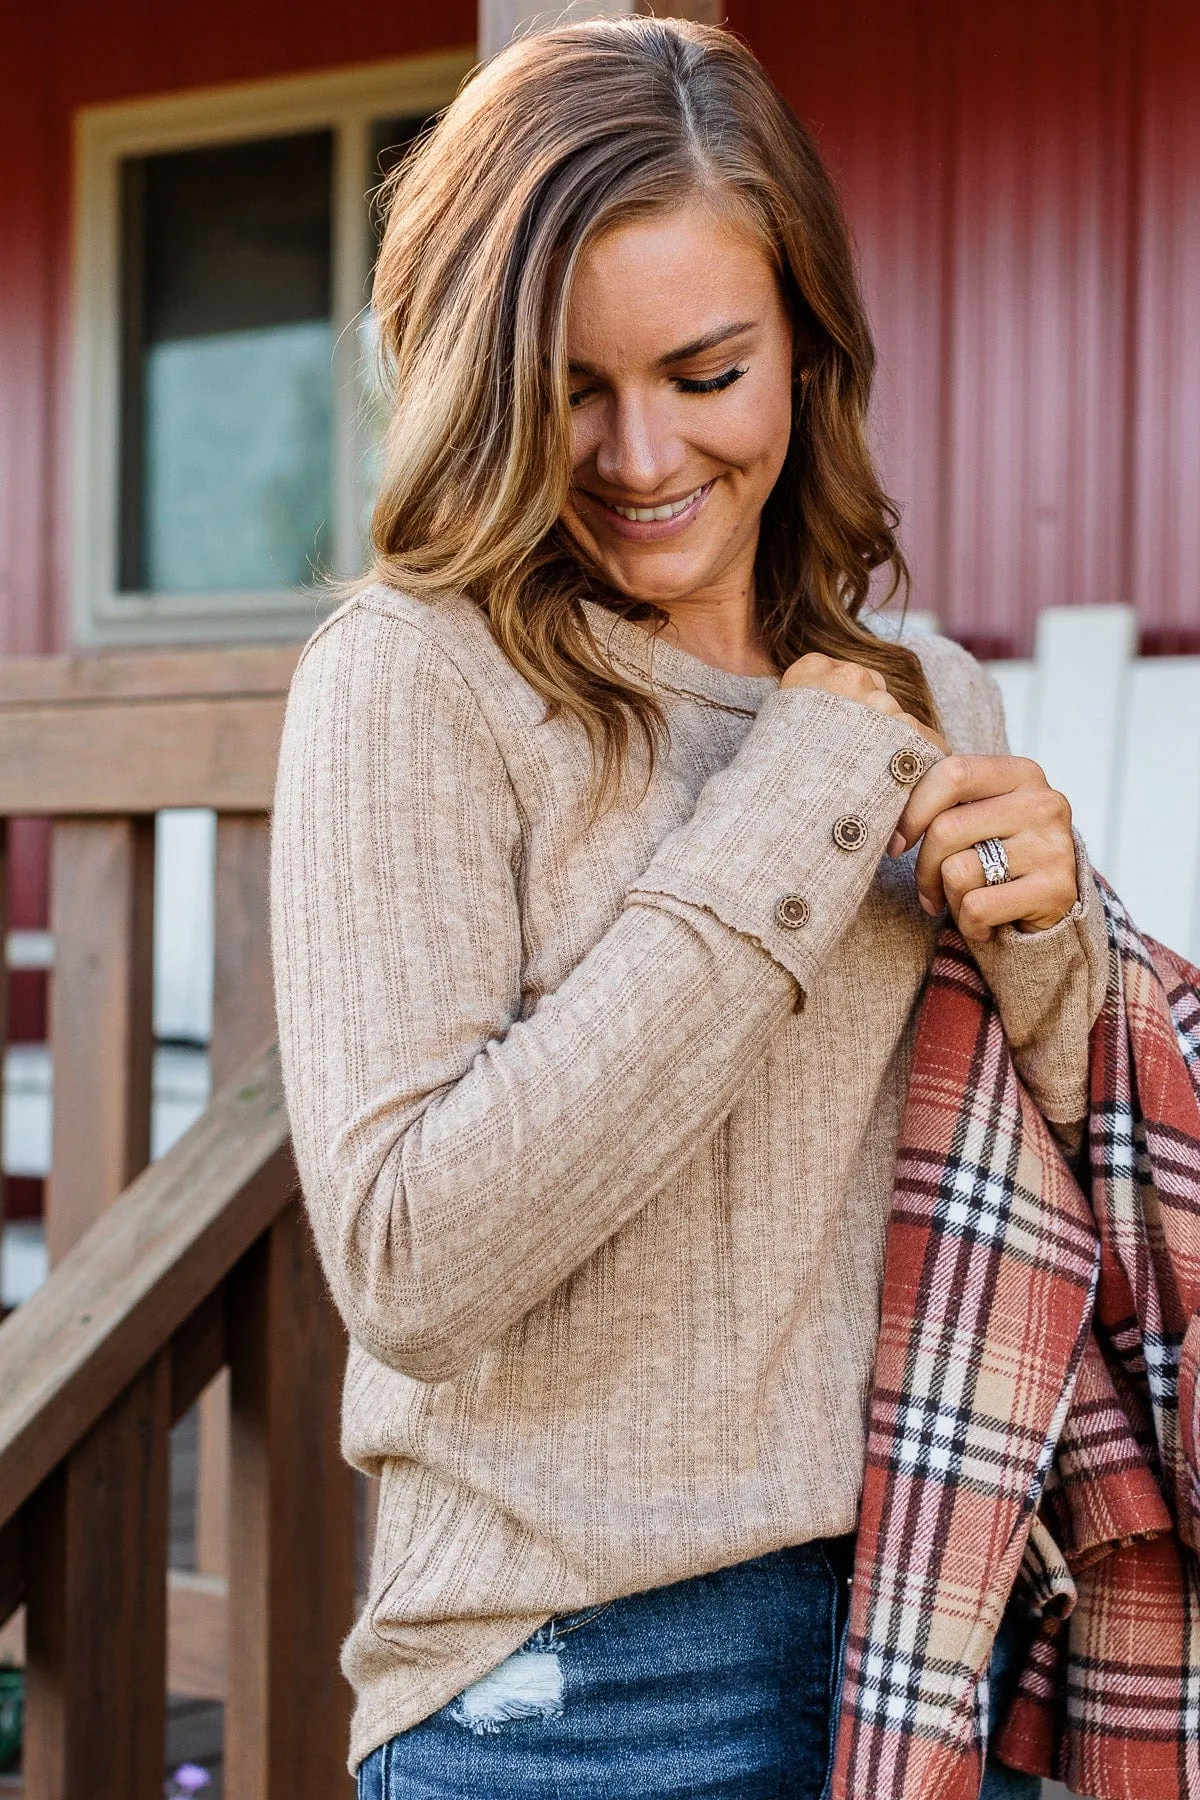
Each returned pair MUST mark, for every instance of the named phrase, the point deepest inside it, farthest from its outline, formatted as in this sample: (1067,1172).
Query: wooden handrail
(123,675)
(204,1262)
(139,1274)
(117,734)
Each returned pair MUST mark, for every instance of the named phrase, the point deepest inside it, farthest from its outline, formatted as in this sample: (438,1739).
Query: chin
(658,587)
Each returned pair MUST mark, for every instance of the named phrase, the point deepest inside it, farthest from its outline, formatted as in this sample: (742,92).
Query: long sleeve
(460,1160)
(1049,985)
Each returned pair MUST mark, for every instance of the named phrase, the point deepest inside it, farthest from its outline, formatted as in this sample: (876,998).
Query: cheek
(585,436)
(756,434)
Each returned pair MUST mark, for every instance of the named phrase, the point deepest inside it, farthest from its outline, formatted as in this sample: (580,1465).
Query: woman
(608,851)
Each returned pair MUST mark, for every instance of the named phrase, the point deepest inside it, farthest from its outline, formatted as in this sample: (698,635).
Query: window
(225,437)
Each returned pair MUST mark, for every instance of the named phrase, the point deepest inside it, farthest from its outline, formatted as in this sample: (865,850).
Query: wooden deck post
(291,1550)
(243,1018)
(102,917)
(95,1564)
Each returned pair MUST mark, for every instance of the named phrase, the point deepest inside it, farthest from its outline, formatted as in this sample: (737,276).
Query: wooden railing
(203,1263)
(165,1276)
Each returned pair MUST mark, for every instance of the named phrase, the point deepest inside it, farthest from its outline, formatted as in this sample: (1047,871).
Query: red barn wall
(1023,180)
(61,55)
(55,57)
(1024,184)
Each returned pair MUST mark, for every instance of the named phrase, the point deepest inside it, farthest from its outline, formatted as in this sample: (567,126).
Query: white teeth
(644,514)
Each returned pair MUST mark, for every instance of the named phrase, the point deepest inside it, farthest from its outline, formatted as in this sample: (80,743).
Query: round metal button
(907,767)
(850,832)
(792,912)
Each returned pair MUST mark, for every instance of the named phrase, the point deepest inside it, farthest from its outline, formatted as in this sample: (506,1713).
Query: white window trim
(347,101)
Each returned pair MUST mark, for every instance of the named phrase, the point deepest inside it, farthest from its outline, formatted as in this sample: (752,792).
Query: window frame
(348,102)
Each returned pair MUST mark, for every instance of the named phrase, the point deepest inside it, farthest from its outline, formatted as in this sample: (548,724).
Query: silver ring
(994,860)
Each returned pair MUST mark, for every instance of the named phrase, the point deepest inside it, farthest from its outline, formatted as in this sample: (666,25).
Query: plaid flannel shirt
(1035,1415)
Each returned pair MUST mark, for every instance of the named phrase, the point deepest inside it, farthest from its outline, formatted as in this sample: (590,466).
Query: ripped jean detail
(526,1685)
(724,1685)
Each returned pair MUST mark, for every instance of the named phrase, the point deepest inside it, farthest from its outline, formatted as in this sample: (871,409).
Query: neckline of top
(667,666)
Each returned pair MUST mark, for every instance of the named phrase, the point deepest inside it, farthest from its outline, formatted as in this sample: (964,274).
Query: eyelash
(715,384)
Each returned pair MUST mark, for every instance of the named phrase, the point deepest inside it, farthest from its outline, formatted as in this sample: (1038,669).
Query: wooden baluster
(95,1560)
(102,917)
(243,998)
(291,1549)
(12,1569)
(243,1017)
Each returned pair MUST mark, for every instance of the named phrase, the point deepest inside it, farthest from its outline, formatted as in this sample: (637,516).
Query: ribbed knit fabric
(597,1143)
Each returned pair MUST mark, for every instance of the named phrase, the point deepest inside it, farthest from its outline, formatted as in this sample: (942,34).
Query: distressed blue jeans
(723,1687)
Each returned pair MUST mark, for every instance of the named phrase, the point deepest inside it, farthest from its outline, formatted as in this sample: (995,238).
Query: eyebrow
(720,335)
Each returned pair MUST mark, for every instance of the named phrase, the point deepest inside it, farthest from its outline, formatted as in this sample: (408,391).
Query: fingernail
(896,844)
(926,904)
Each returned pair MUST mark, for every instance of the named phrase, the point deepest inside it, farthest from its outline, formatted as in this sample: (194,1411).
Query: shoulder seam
(439,649)
(359,604)
(335,618)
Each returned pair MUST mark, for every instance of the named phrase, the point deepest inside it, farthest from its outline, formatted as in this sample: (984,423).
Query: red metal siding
(65,54)
(1164,541)
(26,279)
(57,56)
(1023,181)
(1024,185)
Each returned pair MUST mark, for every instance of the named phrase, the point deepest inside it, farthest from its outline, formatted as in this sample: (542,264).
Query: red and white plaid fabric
(1035,1417)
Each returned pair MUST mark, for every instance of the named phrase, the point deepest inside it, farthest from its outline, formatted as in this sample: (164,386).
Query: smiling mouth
(646,515)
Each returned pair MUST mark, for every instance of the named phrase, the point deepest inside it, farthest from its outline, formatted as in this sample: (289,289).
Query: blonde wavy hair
(556,140)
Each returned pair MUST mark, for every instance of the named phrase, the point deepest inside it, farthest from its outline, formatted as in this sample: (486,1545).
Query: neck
(720,629)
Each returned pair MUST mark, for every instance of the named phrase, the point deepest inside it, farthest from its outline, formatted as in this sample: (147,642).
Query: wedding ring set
(994,859)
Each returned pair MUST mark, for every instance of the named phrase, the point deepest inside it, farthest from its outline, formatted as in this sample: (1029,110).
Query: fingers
(1036,814)
(959,779)
(926,731)
(1023,902)
(1041,889)
(983,910)
(879,700)
(853,681)
(964,799)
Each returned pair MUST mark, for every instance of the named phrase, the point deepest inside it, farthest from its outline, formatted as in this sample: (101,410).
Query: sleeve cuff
(1050,987)
(784,843)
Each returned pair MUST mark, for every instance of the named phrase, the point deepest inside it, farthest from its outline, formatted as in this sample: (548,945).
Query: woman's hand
(955,805)
(853,681)
(964,799)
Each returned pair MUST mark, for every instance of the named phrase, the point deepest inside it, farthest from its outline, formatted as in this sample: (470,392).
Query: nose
(637,452)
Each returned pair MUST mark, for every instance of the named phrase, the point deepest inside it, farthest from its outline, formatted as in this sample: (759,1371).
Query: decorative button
(850,832)
(792,912)
(907,767)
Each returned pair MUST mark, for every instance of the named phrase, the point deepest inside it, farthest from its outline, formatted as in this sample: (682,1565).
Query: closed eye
(713,385)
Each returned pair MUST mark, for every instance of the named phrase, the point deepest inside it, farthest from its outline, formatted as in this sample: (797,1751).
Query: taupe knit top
(596,1117)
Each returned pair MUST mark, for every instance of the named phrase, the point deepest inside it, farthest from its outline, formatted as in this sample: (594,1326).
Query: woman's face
(680,352)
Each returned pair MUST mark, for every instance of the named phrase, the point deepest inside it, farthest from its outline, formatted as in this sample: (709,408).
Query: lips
(647,524)
(646,515)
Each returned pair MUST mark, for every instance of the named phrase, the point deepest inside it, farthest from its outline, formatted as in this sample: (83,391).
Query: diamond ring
(994,859)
